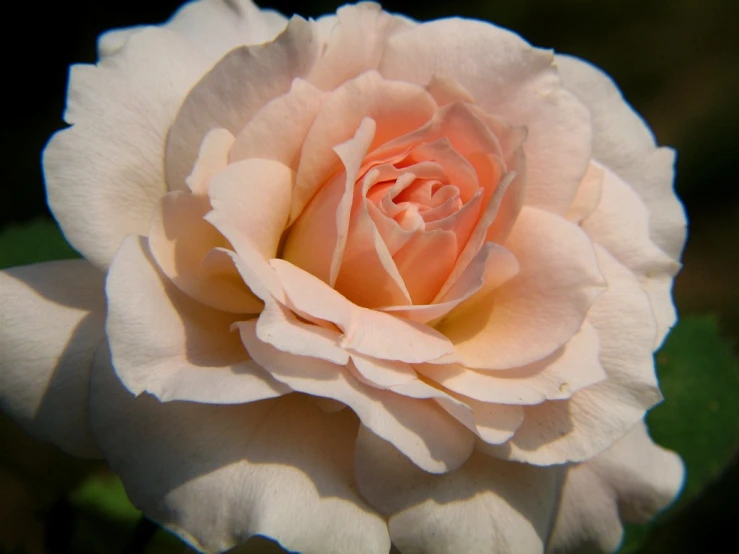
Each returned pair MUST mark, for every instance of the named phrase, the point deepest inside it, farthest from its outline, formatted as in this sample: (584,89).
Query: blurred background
(676,62)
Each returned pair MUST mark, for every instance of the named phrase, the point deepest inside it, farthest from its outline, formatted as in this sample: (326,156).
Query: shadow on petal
(217,475)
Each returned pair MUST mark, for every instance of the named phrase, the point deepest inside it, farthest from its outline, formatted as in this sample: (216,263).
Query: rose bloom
(353,282)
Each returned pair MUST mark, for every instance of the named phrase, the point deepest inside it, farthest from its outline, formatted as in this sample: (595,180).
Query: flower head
(366,279)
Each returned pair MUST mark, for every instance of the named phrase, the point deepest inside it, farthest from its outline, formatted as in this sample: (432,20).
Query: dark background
(676,62)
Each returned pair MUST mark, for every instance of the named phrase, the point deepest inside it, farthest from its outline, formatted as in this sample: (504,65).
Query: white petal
(217,26)
(383,373)
(632,480)
(171,346)
(595,417)
(587,518)
(620,224)
(624,143)
(279,327)
(104,175)
(588,194)
(575,366)
(277,131)
(217,475)
(53,320)
(485,506)
(496,423)
(418,428)
(355,43)
(112,41)
(231,93)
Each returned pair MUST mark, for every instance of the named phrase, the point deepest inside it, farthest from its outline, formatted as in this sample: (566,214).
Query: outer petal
(104,175)
(217,475)
(623,143)
(485,506)
(419,428)
(53,317)
(594,418)
(634,479)
(620,223)
(537,311)
(234,90)
(509,78)
(218,26)
(213,27)
(355,43)
(588,194)
(573,367)
(171,346)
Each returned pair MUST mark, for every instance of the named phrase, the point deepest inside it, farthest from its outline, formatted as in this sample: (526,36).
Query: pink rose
(366,280)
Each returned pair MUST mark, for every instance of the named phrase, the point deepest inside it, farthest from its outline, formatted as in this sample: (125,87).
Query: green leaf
(699,419)
(39,240)
(104,494)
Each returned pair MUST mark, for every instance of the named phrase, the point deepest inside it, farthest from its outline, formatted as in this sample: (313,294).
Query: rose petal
(485,506)
(365,331)
(104,175)
(645,476)
(212,157)
(382,373)
(395,106)
(231,92)
(540,309)
(493,266)
(53,317)
(216,26)
(478,237)
(496,423)
(279,327)
(634,479)
(425,262)
(624,144)
(621,225)
(110,42)
(362,269)
(355,43)
(181,239)
(277,131)
(217,475)
(517,84)
(317,240)
(252,198)
(189,354)
(588,194)
(558,376)
(574,430)
(448,91)
(418,428)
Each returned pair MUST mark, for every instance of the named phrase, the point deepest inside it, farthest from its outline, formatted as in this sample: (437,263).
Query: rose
(366,279)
